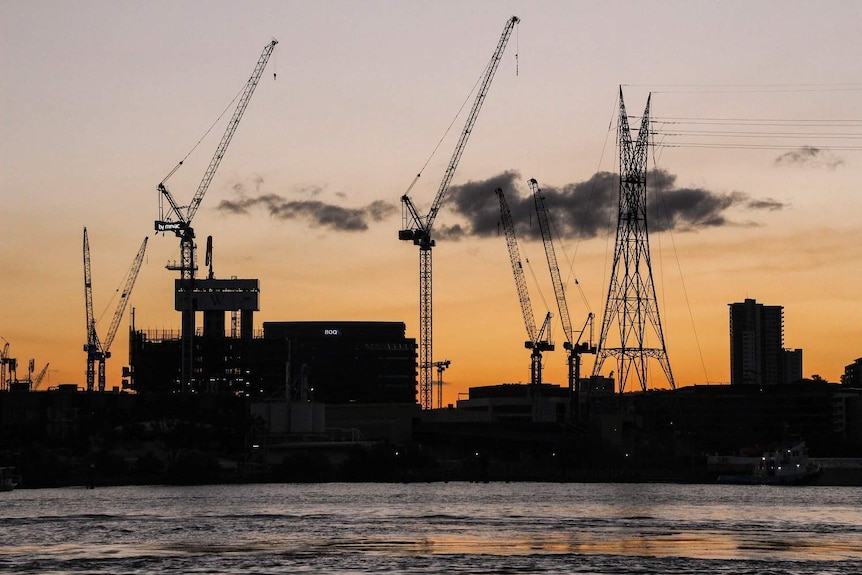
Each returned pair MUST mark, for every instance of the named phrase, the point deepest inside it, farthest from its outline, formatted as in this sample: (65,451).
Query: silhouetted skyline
(102,99)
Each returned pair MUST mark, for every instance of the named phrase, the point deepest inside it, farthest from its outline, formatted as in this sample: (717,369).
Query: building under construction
(329,362)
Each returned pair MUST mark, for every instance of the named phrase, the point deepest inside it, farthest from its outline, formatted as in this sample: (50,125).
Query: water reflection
(433,528)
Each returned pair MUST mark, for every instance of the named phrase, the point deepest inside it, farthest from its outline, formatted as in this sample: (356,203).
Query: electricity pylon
(631,310)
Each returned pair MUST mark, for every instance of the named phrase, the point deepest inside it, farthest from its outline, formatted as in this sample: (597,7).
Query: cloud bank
(315,212)
(586,209)
(583,209)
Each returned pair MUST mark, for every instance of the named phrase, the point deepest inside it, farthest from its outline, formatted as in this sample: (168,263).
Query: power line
(753,121)
(775,134)
(744,146)
(746,134)
(750,88)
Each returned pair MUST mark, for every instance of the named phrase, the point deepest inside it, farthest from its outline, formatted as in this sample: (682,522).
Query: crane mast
(417,228)
(538,340)
(542,343)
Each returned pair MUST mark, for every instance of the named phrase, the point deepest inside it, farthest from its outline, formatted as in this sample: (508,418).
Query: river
(462,528)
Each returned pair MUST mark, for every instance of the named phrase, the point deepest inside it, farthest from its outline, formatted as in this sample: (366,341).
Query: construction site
(222,398)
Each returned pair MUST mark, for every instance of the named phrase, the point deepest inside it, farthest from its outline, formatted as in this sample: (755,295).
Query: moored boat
(785,464)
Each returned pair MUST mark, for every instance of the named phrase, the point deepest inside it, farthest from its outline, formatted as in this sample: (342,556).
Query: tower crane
(574,348)
(37,381)
(538,340)
(6,363)
(98,351)
(178,219)
(92,347)
(417,228)
(441,367)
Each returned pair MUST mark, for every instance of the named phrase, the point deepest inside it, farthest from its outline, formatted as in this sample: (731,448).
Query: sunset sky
(757,110)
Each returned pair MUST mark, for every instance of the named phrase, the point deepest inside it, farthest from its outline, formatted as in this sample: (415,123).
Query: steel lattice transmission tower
(631,328)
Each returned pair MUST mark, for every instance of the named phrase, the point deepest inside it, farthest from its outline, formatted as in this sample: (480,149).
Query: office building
(348,361)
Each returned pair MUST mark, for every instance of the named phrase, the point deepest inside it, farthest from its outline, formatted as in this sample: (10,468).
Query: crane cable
(536,284)
(177,167)
(592,193)
(463,105)
(538,287)
(116,291)
(446,133)
(571,261)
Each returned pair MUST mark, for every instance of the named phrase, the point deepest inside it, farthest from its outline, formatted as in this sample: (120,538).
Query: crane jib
(553,266)
(178,219)
(517,270)
(490,70)
(471,120)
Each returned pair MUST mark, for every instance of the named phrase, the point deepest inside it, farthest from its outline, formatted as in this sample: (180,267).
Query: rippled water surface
(462,528)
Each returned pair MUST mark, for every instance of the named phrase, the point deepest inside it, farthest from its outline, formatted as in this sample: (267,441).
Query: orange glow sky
(101,100)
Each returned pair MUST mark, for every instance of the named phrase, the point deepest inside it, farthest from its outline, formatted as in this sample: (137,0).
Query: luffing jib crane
(417,228)
(92,347)
(98,351)
(178,219)
(574,347)
(539,340)
(37,381)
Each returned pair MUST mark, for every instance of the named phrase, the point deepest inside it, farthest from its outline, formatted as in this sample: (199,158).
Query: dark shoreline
(56,439)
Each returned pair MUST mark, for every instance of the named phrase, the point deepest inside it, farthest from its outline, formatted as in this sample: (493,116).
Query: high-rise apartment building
(757,344)
(853,374)
(792,359)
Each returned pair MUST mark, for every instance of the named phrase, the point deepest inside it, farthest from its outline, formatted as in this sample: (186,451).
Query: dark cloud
(318,213)
(809,156)
(456,232)
(476,201)
(691,208)
(586,209)
(766,204)
(379,210)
